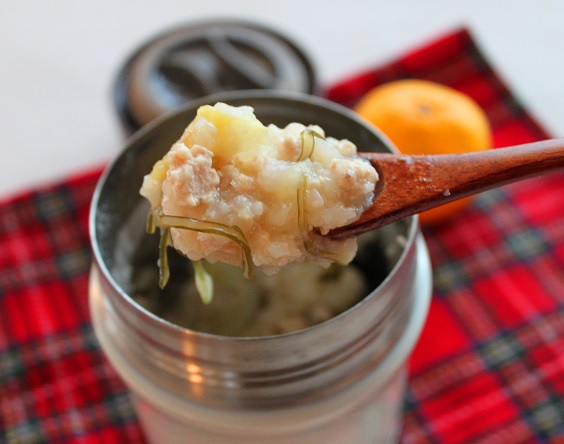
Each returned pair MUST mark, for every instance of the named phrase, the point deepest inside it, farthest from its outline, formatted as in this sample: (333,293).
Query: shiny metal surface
(289,369)
(203,58)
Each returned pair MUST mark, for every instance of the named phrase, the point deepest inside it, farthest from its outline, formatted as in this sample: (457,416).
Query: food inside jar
(299,296)
(235,191)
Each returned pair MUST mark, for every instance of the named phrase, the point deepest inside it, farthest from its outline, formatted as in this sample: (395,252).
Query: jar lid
(204,58)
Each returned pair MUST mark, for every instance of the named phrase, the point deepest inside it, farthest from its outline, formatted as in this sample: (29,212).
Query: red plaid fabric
(55,383)
(489,367)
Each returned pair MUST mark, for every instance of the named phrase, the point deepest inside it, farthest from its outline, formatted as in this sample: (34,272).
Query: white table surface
(59,59)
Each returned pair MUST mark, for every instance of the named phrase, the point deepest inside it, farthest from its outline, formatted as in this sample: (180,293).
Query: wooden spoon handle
(411,184)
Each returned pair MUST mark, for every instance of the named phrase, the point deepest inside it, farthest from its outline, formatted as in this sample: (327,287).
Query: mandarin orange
(423,117)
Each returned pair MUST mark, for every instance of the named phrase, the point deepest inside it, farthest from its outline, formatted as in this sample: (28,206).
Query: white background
(58,60)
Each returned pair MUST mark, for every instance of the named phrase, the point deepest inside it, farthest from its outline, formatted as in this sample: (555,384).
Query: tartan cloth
(488,368)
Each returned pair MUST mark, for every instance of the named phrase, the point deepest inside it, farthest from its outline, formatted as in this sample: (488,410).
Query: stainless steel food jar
(341,381)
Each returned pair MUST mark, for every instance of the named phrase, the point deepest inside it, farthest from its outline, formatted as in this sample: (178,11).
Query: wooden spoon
(411,184)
